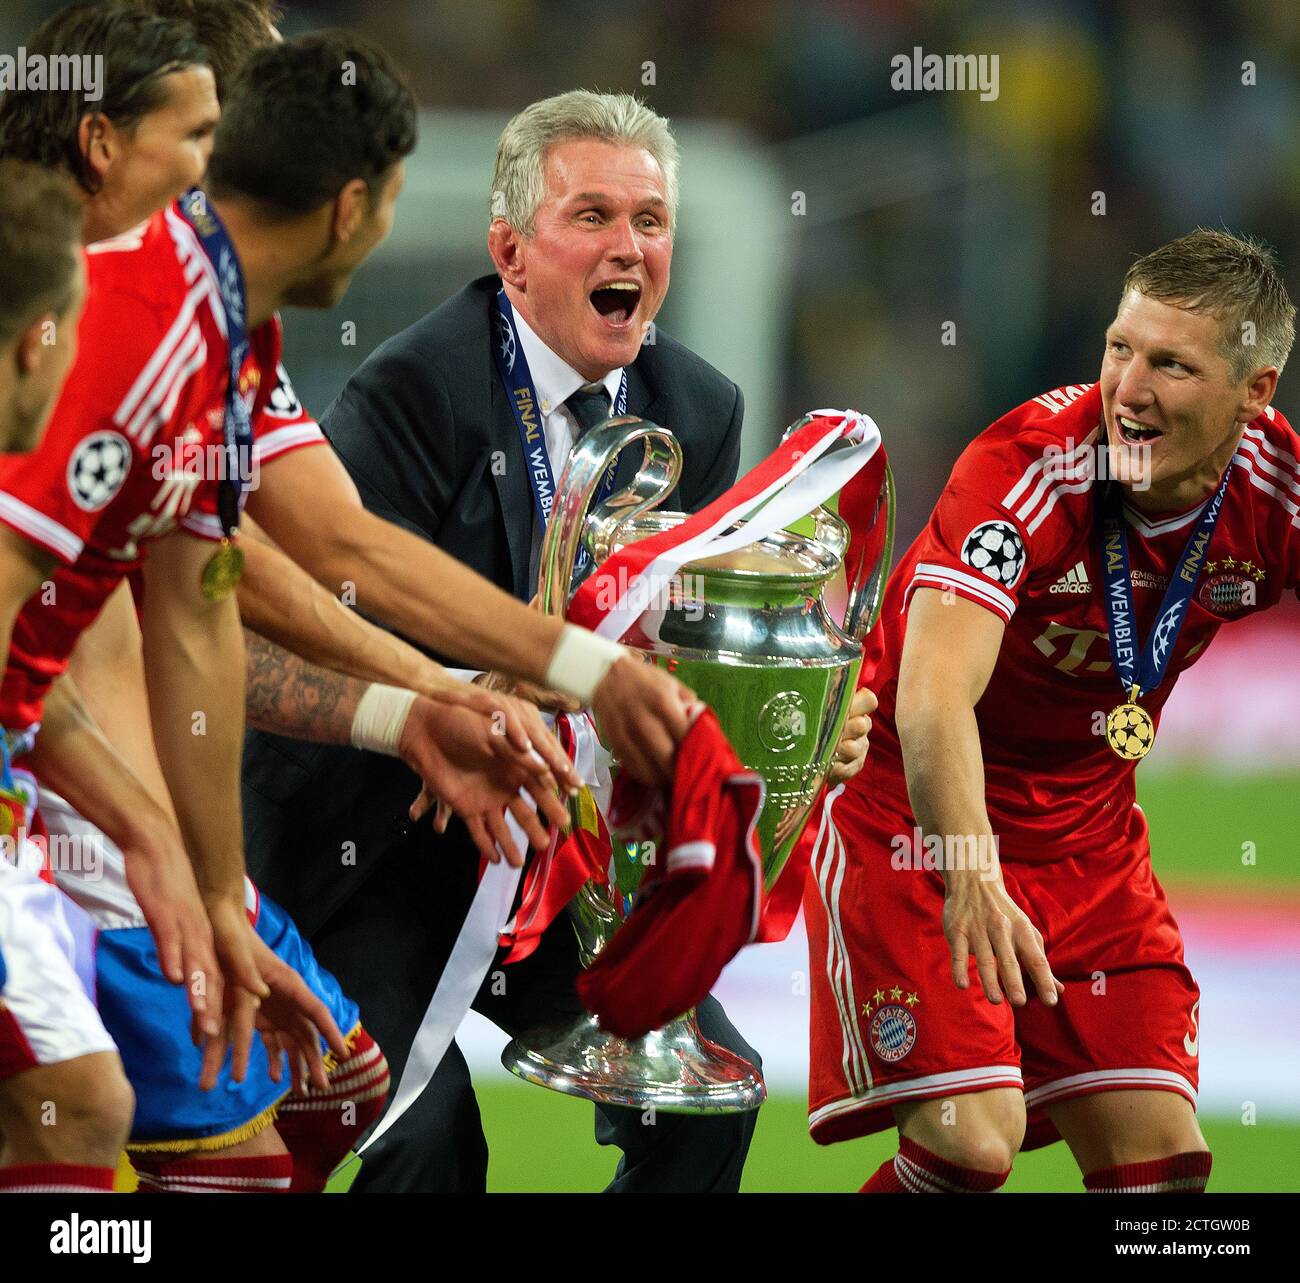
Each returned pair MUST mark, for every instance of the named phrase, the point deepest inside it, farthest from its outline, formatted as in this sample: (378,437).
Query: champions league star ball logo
(1167,629)
(1129,731)
(506,337)
(996,550)
(97,469)
(283,402)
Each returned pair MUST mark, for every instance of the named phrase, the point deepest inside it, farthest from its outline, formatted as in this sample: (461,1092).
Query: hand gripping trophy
(760,604)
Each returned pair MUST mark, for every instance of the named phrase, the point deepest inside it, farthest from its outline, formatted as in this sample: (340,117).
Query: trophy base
(675,1068)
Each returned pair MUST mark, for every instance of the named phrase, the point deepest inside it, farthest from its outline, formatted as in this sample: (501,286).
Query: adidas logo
(1073,581)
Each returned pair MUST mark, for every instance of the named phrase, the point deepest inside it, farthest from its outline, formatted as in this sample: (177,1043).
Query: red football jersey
(1014,530)
(133,439)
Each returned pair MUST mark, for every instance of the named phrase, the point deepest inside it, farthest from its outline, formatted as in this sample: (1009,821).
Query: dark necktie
(590,406)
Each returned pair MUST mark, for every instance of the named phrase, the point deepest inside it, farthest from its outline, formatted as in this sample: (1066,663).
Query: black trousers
(388,944)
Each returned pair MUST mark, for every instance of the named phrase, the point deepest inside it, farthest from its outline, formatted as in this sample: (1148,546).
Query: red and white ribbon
(792,481)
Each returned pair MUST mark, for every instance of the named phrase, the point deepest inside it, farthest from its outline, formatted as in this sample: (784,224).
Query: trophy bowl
(752,633)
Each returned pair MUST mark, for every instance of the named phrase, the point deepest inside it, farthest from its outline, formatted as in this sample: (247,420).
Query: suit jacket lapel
(510,480)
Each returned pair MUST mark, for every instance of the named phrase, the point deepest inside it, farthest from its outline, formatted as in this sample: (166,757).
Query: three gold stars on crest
(1230,563)
(895,993)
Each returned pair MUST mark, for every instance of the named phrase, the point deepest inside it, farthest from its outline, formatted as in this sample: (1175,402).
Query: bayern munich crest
(1229,586)
(892,1028)
(892,1032)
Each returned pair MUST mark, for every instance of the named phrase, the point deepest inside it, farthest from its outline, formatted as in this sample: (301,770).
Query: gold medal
(224,570)
(1130,730)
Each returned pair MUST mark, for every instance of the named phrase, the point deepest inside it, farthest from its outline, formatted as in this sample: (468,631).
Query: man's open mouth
(1132,432)
(616,301)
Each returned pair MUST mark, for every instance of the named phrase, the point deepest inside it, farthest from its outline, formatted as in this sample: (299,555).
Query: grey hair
(519,185)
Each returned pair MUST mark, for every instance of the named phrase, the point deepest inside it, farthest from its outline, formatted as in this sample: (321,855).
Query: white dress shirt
(554,382)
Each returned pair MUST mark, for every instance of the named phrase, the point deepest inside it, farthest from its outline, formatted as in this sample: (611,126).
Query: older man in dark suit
(583,211)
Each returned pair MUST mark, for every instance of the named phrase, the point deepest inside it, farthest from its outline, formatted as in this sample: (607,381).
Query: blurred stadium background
(830,227)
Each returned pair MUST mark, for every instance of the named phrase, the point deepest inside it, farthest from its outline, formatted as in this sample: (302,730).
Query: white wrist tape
(380,716)
(580,662)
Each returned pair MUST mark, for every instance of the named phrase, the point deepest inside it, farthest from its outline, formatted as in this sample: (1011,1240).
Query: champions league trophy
(751,632)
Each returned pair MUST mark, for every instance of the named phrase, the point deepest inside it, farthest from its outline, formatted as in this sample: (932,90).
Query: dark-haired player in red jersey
(1086,549)
(114,476)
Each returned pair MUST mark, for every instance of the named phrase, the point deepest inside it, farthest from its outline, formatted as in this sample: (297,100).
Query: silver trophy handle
(596,450)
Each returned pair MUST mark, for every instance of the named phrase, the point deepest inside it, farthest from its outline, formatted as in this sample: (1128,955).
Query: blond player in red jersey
(995,963)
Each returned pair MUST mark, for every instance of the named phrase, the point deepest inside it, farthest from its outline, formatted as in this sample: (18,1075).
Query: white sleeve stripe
(167,386)
(1260,484)
(1250,449)
(1283,457)
(948,585)
(1013,496)
(699,854)
(44,530)
(1065,467)
(203,523)
(167,409)
(1057,492)
(977,582)
(162,354)
(960,579)
(192,252)
(272,444)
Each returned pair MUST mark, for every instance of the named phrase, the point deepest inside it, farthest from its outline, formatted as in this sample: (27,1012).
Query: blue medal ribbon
(1142,668)
(512,366)
(237,423)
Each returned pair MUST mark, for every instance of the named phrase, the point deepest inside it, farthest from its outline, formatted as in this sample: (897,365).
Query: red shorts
(889,1026)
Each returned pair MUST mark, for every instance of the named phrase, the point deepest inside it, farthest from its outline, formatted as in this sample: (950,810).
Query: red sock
(319,1127)
(915,1170)
(1181,1174)
(263,1174)
(56,1178)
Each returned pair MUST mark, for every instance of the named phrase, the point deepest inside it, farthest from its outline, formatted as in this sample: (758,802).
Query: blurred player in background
(42,288)
(1087,548)
(54,1050)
